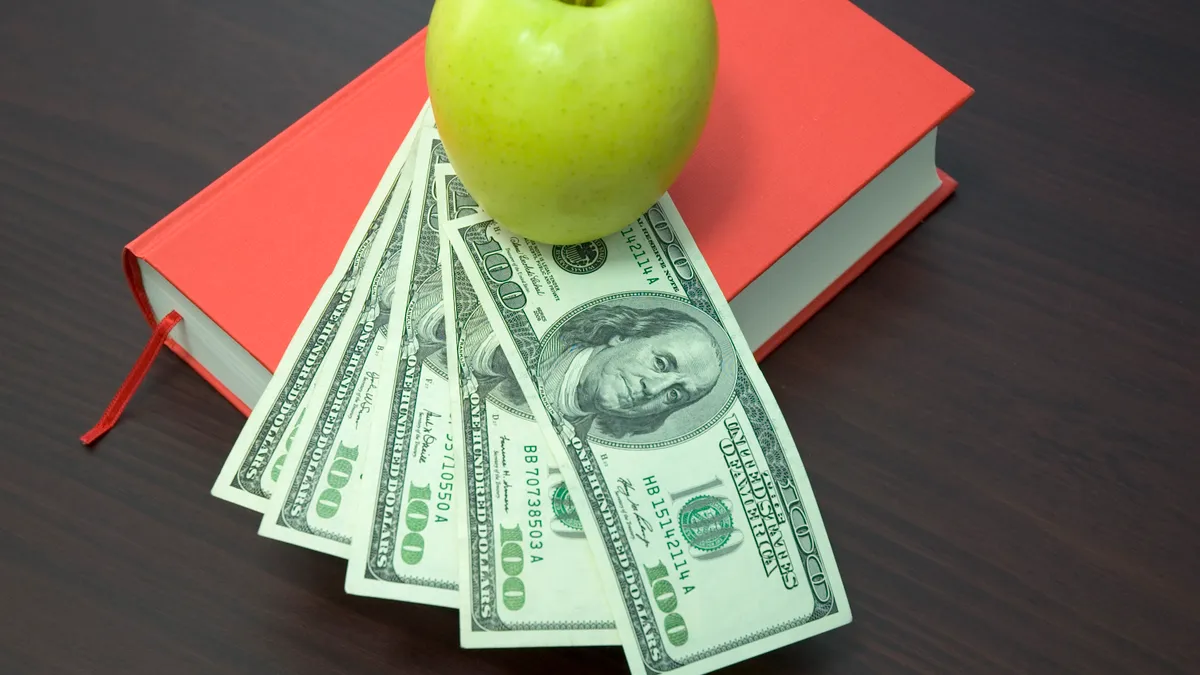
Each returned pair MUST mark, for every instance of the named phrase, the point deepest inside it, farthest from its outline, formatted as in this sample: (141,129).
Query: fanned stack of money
(569,445)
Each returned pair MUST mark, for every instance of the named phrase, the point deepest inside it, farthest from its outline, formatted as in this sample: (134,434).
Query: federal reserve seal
(706,522)
(564,508)
(582,258)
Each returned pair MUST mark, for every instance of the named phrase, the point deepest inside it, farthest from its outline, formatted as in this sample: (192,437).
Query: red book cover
(810,107)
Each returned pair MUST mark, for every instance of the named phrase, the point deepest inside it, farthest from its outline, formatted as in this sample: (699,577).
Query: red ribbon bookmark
(113,412)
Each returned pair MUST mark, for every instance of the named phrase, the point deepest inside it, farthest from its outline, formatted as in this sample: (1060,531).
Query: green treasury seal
(706,522)
(564,508)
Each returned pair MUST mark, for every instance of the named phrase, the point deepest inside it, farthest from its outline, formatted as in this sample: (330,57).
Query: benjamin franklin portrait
(480,352)
(640,369)
(380,299)
(427,323)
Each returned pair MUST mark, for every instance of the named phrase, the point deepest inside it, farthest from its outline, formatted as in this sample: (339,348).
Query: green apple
(567,119)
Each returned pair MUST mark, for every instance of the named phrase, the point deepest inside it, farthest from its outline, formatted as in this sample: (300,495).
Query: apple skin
(567,122)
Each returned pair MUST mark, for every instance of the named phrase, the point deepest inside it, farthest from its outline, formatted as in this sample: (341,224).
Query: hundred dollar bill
(314,504)
(403,544)
(528,576)
(550,594)
(681,468)
(253,466)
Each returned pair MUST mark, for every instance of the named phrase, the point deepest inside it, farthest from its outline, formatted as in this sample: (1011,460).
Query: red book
(817,157)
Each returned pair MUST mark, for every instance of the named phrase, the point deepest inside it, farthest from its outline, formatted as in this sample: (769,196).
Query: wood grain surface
(1001,418)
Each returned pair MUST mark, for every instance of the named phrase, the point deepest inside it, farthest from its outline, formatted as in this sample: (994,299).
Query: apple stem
(582,3)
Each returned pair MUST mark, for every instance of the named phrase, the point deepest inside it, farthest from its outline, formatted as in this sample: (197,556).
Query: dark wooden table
(1001,418)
